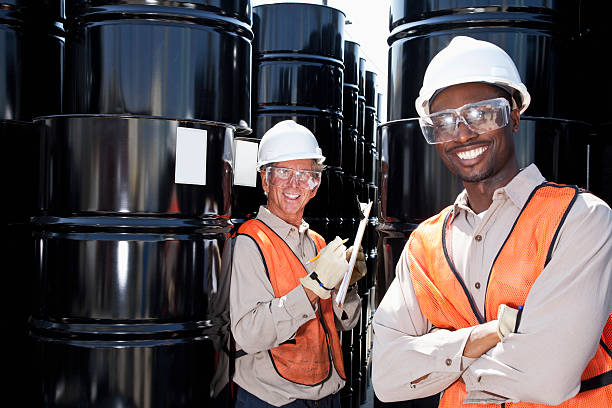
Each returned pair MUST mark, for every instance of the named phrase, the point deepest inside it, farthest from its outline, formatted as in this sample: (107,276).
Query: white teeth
(292,196)
(471,154)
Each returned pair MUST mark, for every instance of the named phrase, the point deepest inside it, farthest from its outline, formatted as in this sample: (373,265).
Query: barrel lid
(299,28)
(236,9)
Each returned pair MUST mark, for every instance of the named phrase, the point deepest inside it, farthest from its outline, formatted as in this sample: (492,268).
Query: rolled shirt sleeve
(404,350)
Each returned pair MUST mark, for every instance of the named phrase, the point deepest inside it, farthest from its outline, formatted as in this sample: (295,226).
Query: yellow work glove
(327,270)
(360,269)
(506,320)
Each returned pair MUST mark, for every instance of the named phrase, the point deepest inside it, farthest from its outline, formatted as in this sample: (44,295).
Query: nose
(293,180)
(464,133)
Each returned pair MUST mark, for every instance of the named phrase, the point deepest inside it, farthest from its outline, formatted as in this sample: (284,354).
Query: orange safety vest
(446,303)
(306,359)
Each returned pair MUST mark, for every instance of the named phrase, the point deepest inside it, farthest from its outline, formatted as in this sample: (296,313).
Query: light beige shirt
(260,321)
(564,313)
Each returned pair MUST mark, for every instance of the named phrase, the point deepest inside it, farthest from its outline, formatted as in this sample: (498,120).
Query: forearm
(409,367)
(272,322)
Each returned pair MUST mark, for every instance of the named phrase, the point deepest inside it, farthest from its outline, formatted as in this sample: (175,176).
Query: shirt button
(304,316)
(478,238)
(448,361)
(477,285)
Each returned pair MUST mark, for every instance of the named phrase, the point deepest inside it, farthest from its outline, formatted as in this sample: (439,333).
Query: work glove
(327,270)
(360,269)
(506,320)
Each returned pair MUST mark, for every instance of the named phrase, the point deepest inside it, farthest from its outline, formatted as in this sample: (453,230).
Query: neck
(480,193)
(291,219)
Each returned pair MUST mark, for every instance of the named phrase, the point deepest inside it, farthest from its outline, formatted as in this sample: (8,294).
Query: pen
(314,259)
(518,318)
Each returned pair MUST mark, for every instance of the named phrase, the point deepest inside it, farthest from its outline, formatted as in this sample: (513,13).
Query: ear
(515,119)
(264,181)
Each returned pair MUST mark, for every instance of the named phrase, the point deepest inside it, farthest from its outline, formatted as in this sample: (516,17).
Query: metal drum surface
(600,175)
(297,27)
(536,38)
(21,140)
(116,311)
(107,166)
(350,95)
(236,9)
(560,148)
(28,35)
(302,73)
(288,79)
(177,60)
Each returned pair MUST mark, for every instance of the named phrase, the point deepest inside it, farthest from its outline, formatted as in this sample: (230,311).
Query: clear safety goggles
(304,179)
(479,117)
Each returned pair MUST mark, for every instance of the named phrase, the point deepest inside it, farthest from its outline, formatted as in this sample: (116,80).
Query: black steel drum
(536,34)
(350,104)
(30,35)
(560,149)
(111,166)
(301,73)
(116,310)
(21,140)
(177,60)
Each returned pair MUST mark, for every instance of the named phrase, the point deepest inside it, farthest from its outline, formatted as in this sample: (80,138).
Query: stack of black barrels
(132,146)
(563,130)
(297,74)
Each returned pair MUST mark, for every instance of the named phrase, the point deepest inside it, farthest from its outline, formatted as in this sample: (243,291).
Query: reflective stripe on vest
(305,361)
(446,302)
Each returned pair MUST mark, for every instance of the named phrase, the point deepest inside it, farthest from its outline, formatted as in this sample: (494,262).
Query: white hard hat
(464,60)
(288,140)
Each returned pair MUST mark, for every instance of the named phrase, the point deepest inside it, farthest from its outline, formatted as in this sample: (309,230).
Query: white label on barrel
(245,162)
(190,156)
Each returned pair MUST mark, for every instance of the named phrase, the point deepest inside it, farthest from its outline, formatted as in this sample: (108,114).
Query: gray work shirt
(564,313)
(260,321)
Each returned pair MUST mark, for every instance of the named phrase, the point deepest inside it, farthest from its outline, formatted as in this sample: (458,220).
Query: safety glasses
(281,177)
(480,117)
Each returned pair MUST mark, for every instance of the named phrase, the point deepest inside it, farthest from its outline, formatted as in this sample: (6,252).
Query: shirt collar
(278,225)
(517,190)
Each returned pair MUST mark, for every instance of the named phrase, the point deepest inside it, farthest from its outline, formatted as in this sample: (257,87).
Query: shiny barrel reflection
(118,310)
(534,33)
(30,34)
(177,60)
(129,284)
(112,165)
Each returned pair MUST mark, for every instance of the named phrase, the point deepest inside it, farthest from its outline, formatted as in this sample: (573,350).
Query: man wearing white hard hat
(283,315)
(504,296)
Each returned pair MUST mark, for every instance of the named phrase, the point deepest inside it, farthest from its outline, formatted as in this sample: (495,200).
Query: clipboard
(341,295)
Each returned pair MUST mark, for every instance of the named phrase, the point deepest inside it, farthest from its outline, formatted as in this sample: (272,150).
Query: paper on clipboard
(365,209)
